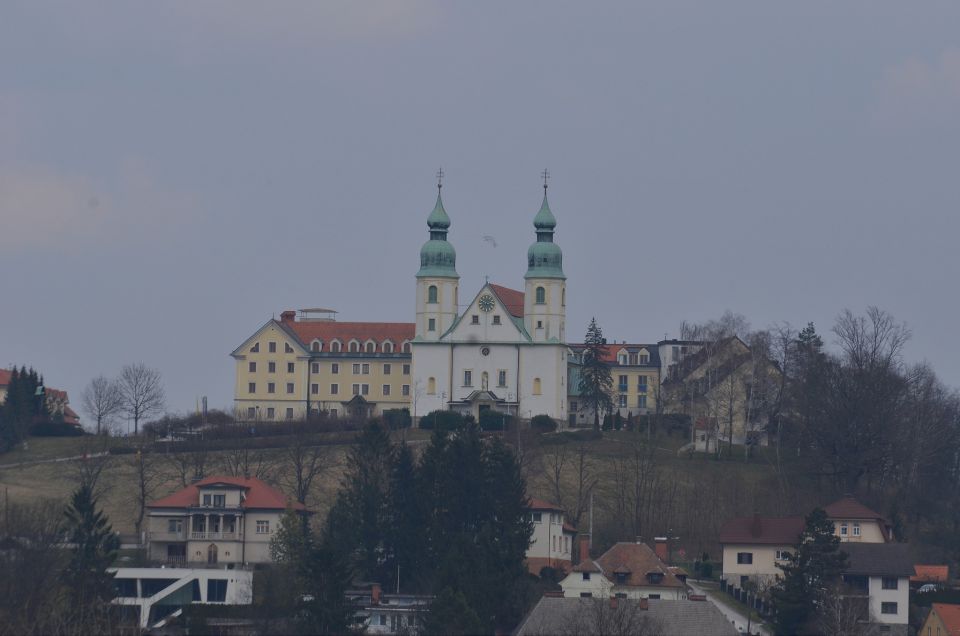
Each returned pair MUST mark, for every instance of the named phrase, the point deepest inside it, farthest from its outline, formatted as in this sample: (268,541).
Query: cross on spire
(439,178)
(546,175)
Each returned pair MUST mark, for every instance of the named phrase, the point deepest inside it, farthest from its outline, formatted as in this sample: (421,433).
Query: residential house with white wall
(753,546)
(217,520)
(627,570)
(551,544)
(854,522)
(878,576)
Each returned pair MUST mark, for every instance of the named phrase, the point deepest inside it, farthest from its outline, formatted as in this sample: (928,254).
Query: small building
(217,520)
(627,570)
(943,620)
(381,613)
(925,574)
(551,544)
(878,574)
(150,597)
(602,616)
(753,546)
(854,522)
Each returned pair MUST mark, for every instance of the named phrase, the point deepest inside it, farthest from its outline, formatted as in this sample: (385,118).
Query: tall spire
(437,256)
(544,258)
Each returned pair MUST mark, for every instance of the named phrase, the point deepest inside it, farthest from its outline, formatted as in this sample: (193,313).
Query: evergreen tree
(451,614)
(808,574)
(94,550)
(596,383)
(358,522)
(405,538)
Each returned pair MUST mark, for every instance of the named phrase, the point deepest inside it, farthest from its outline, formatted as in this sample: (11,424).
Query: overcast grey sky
(172,174)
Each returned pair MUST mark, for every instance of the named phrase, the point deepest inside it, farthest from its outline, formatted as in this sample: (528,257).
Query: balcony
(208,536)
(168,536)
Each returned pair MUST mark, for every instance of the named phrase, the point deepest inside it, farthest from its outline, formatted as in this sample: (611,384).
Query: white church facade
(506,350)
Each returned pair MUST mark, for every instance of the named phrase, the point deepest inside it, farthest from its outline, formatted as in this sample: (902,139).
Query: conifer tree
(809,573)
(596,383)
(405,537)
(94,550)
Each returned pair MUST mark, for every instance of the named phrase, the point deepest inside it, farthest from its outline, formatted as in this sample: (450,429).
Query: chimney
(287,316)
(660,547)
(613,602)
(644,604)
(375,594)
(584,548)
(756,527)
(696,597)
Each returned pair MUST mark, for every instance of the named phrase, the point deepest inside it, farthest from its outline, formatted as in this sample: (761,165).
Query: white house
(389,613)
(217,520)
(878,574)
(627,570)
(552,542)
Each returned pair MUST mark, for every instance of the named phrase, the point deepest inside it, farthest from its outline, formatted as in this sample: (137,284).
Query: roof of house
(949,614)
(542,504)
(849,508)
(258,495)
(510,298)
(327,331)
(5,377)
(878,559)
(762,530)
(636,561)
(558,615)
(930,574)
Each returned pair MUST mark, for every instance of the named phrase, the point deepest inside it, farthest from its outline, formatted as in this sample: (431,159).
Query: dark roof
(849,508)
(635,559)
(762,530)
(878,559)
(553,615)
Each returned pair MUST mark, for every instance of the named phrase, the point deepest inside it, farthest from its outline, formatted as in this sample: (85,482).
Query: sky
(173,175)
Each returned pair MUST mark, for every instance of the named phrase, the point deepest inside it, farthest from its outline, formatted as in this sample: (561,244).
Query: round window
(485,351)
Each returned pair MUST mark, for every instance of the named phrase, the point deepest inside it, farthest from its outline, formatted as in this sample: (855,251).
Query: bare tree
(613,617)
(146,478)
(189,465)
(555,457)
(586,479)
(246,462)
(305,463)
(142,392)
(101,400)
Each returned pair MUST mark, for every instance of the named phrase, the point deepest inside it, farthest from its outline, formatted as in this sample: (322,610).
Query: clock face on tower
(486,302)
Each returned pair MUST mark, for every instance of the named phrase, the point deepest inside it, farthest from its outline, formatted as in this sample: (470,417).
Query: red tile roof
(639,560)
(326,332)
(540,504)
(70,416)
(950,617)
(930,574)
(5,377)
(849,508)
(258,495)
(510,298)
(762,530)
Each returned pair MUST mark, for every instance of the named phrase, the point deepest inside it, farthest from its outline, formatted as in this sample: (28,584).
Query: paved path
(52,461)
(738,619)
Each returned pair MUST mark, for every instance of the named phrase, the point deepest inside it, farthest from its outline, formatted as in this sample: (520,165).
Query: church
(507,349)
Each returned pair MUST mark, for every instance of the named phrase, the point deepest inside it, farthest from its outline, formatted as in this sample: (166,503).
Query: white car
(927,587)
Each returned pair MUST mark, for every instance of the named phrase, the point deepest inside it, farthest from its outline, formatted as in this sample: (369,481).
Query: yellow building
(313,363)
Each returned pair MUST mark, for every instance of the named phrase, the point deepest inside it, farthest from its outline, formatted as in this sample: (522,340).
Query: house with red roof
(943,620)
(551,544)
(217,520)
(754,545)
(854,522)
(56,401)
(626,570)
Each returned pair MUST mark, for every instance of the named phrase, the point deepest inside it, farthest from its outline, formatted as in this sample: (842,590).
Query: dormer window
(316,346)
(655,578)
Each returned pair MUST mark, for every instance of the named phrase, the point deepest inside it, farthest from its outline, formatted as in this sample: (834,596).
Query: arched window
(541,296)
(431,386)
(371,347)
(563,297)
(536,386)
(432,294)
(316,346)
(406,347)
(354,346)
(335,346)
(387,347)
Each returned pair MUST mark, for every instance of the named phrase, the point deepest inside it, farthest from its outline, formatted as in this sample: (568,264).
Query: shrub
(552,575)
(607,422)
(543,424)
(491,420)
(395,419)
(443,420)
(51,428)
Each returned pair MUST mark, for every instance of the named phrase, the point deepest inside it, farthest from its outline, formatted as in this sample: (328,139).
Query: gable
(477,325)
(270,330)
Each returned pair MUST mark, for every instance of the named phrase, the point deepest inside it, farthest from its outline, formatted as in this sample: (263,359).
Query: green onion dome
(437,256)
(544,258)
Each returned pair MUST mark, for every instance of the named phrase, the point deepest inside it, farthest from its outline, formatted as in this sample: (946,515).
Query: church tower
(545,300)
(437,280)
